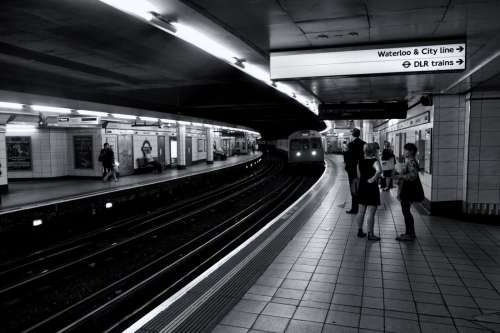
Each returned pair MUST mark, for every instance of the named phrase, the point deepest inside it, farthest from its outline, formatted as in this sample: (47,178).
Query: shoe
(361,234)
(354,212)
(372,237)
(405,238)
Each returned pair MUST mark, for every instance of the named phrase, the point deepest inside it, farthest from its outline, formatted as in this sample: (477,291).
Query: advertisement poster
(83,152)
(18,153)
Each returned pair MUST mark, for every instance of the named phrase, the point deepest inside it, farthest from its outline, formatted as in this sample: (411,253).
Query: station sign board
(433,57)
(348,111)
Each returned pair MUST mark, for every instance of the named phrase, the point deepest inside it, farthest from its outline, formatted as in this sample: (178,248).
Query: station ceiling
(84,49)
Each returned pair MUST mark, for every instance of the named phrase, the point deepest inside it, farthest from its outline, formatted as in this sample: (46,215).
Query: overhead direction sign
(384,60)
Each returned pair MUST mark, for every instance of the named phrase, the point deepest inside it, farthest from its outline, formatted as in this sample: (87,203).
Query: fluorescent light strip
(44,108)
(13,106)
(123,116)
(15,128)
(204,42)
(168,121)
(148,118)
(141,8)
(92,113)
(146,10)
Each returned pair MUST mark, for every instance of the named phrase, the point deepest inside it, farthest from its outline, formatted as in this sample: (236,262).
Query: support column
(210,148)
(181,146)
(3,162)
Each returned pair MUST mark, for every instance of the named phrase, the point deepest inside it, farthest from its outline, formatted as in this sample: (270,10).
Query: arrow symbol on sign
(460,61)
(406,64)
(460,48)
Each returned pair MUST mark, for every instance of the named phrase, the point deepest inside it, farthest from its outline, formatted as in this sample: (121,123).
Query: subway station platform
(328,280)
(25,194)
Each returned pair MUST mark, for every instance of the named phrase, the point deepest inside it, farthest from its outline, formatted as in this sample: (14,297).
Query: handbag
(411,190)
(387,164)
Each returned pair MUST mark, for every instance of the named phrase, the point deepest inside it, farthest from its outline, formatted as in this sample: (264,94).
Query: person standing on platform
(107,157)
(352,157)
(369,170)
(388,165)
(410,190)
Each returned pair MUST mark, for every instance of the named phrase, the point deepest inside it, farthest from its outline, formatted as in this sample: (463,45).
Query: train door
(126,154)
(189,150)
(161,150)
(173,151)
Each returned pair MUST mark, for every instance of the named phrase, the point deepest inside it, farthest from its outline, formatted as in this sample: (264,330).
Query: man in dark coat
(352,157)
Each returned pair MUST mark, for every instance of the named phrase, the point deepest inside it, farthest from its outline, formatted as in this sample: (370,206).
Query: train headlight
(298,153)
(313,153)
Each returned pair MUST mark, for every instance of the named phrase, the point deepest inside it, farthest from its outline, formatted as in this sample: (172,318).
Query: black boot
(361,234)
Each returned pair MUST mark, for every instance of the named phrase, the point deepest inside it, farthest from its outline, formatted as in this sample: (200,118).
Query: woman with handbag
(368,194)
(409,190)
(388,165)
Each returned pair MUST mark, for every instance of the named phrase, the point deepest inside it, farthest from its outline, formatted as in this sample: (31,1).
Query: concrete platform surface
(24,193)
(329,280)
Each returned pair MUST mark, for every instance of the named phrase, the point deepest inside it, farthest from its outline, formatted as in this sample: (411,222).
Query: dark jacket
(353,155)
(107,157)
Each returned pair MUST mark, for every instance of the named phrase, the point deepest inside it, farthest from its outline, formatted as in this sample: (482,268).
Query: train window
(299,144)
(315,143)
(295,144)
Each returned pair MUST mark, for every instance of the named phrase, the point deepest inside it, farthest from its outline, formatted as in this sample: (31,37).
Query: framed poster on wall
(18,153)
(83,148)
(201,145)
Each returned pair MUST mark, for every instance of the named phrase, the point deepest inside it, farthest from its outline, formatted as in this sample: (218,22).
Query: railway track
(103,280)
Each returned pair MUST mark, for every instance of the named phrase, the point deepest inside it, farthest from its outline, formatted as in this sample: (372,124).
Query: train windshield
(315,143)
(299,144)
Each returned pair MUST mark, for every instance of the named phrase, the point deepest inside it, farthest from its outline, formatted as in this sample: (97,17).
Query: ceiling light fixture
(12,106)
(44,108)
(92,113)
(141,8)
(146,10)
(16,128)
(123,116)
(239,62)
(148,118)
(162,23)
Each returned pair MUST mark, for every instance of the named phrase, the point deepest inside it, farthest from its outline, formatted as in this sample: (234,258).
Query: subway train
(303,147)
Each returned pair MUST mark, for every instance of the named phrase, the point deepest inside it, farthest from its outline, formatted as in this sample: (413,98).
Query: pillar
(181,146)
(3,162)
(481,190)
(210,148)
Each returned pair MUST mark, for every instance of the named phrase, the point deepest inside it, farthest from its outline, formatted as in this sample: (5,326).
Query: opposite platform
(329,280)
(27,194)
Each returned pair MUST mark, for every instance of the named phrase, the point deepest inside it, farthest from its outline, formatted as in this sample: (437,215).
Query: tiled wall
(483,162)
(448,147)
(52,154)
(425,178)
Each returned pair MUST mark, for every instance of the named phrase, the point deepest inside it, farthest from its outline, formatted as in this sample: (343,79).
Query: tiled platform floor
(328,280)
(26,192)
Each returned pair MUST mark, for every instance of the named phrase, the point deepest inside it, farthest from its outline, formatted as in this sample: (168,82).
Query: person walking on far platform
(369,170)
(352,157)
(107,157)
(410,190)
